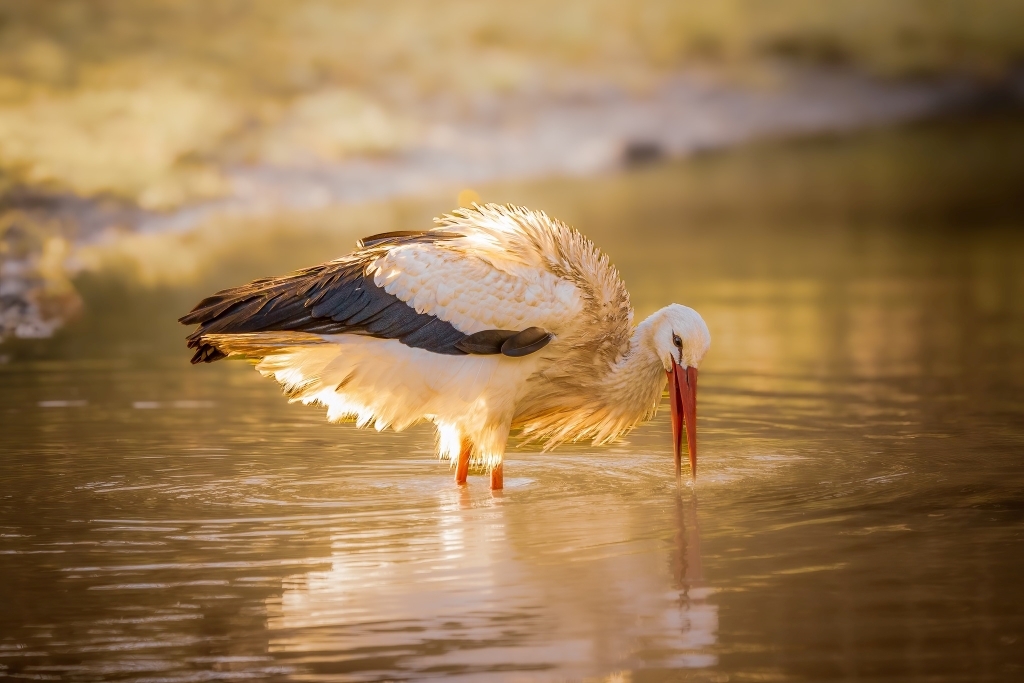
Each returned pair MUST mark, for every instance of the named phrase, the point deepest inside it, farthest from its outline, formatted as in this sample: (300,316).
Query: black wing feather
(526,342)
(374,301)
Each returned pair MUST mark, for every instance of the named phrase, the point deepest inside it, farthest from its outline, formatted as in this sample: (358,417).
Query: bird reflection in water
(698,617)
(426,592)
(441,591)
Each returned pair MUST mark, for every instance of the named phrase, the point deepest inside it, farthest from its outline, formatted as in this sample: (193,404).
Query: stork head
(681,338)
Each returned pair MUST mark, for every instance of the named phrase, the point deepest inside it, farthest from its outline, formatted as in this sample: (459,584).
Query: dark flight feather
(402,236)
(485,342)
(526,342)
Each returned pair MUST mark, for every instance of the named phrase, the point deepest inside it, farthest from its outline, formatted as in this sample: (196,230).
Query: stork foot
(497,478)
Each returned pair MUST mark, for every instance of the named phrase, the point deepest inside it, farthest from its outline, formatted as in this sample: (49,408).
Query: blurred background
(121,118)
(836,187)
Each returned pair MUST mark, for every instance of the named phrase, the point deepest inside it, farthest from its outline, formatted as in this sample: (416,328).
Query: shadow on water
(860,511)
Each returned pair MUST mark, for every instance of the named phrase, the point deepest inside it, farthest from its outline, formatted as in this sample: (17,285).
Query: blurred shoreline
(597,127)
(602,128)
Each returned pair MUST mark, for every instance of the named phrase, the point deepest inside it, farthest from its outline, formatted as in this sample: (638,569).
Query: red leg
(462,469)
(497,478)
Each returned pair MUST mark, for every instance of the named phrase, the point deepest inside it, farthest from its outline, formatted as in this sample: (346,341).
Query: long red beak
(682,389)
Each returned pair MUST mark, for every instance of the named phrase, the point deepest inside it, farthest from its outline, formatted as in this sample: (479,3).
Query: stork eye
(677,341)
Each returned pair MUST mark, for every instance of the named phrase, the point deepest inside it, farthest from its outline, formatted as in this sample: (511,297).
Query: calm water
(860,512)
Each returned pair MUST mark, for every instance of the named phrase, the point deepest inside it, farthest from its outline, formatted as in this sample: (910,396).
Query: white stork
(499,318)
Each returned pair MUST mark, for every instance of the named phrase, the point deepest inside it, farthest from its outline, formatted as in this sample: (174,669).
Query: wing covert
(449,281)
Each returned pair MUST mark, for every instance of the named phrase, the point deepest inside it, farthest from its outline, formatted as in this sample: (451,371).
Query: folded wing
(416,287)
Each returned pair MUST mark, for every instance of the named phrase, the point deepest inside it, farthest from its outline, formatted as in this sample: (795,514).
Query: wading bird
(499,318)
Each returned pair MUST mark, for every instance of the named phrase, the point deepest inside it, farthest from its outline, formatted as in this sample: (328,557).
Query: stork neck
(636,381)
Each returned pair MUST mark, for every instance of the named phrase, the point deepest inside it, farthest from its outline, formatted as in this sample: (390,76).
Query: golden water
(859,515)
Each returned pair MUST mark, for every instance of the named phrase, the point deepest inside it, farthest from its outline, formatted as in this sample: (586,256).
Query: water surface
(859,516)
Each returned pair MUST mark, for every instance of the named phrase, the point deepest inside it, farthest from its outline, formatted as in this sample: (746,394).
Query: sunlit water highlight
(858,516)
